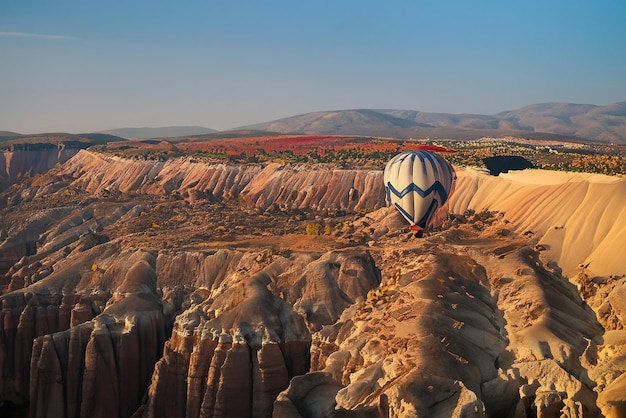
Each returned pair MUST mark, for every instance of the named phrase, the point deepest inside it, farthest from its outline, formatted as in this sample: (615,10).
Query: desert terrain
(155,279)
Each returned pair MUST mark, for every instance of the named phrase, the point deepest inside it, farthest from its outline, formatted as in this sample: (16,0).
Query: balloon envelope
(417,184)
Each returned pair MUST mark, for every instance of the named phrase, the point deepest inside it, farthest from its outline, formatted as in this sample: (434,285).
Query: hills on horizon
(559,121)
(545,120)
(8,140)
(158,132)
(564,121)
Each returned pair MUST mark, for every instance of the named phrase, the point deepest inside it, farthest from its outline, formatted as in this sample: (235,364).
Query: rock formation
(145,288)
(455,330)
(26,160)
(101,368)
(75,371)
(232,352)
(295,186)
(577,218)
(561,209)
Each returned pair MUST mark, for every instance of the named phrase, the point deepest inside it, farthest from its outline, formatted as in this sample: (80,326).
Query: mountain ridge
(547,120)
(158,132)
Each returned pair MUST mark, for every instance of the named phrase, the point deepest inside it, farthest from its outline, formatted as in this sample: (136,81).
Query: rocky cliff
(144,288)
(569,220)
(465,323)
(232,352)
(26,160)
(64,340)
(253,185)
(100,368)
(577,218)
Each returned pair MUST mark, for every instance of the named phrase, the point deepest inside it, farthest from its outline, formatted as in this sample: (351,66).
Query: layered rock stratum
(145,288)
(25,160)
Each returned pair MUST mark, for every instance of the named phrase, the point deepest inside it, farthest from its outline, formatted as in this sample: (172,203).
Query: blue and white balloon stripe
(417,184)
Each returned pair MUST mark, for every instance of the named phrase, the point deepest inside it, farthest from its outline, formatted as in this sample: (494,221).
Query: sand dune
(579,218)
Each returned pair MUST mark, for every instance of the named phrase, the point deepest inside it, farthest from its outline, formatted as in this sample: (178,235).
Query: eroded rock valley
(178,289)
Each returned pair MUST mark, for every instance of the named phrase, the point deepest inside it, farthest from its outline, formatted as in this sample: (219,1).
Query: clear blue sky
(79,66)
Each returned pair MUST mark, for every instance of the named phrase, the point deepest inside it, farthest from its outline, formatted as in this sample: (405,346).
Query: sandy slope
(578,218)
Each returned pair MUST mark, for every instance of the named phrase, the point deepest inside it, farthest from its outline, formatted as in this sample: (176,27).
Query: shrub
(313,229)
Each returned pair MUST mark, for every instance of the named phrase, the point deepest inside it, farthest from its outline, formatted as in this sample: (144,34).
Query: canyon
(26,160)
(178,288)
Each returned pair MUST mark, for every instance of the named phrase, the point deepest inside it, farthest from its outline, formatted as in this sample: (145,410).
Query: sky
(84,66)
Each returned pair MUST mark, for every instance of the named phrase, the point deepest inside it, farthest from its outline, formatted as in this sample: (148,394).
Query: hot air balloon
(418,183)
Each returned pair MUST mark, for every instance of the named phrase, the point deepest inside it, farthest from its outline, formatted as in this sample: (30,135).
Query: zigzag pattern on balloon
(434,205)
(435,187)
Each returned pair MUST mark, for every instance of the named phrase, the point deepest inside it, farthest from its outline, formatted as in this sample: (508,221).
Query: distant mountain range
(564,121)
(8,135)
(162,132)
(11,139)
(545,120)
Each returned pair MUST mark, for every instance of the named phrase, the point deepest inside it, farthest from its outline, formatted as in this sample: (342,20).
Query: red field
(299,144)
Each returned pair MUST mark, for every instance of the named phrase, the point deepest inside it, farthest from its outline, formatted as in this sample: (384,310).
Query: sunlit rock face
(232,352)
(91,337)
(83,340)
(556,206)
(484,330)
(301,187)
(256,185)
(577,218)
(27,160)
